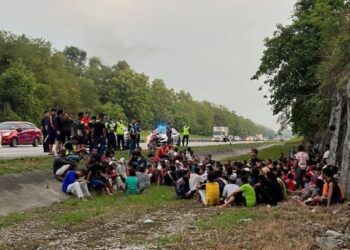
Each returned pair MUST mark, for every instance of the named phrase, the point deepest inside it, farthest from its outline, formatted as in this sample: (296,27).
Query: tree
(291,61)
(18,88)
(76,56)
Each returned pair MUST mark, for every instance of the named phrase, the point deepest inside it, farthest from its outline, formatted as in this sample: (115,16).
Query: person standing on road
(186,135)
(111,127)
(120,134)
(85,121)
(43,123)
(78,130)
(51,133)
(89,135)
(169,133)
(138,133)
(58,122)
(99,134)
(66,128)
(132,135)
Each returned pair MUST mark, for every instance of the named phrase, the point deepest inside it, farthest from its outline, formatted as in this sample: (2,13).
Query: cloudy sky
(210,48)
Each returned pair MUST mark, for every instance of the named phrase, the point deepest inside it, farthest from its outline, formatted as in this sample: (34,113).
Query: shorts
(51,138)
(60,137)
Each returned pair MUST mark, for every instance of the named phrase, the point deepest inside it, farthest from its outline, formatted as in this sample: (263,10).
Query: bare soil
(174,226)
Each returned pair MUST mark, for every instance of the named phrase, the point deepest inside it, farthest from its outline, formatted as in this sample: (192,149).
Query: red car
(20,133)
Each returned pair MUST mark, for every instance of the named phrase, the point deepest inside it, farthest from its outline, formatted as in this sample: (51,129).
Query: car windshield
(8,126)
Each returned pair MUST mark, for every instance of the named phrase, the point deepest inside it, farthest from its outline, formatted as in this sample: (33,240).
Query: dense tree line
(305,63)
(307,68)
(35,77)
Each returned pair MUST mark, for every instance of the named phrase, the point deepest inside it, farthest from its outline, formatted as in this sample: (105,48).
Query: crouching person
(62,165)
(72,184)
(245,195)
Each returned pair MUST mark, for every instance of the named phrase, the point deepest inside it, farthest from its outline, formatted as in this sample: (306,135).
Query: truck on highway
(220,134)
(259,137)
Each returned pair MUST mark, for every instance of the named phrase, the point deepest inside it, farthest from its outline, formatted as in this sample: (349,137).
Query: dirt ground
(184,225)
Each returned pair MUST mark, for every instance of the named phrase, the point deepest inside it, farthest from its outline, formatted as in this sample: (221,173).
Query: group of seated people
(210,182)
(259,182)
(101,173)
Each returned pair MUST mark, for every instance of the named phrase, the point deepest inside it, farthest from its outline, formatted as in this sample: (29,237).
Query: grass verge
(272,152)
(14,166)
(74,212)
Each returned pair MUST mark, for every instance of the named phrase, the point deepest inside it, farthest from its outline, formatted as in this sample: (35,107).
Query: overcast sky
(209,48)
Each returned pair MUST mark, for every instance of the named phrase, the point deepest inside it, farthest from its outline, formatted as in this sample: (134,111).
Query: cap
(233,177)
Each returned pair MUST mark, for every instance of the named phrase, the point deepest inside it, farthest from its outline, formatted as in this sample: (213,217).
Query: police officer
(120,134)
(111,128)
(186,135)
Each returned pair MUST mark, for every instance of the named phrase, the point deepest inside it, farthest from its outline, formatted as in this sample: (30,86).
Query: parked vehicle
(159,136)
(237,138)
(220,134)
(20,133)
(259,137)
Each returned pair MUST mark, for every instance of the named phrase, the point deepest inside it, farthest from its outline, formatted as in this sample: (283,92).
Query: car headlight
(6,134)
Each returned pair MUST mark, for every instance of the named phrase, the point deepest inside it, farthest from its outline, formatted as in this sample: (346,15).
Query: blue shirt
(138,128)
(70,178)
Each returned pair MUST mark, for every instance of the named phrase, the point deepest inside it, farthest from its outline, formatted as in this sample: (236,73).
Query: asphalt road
(7,152)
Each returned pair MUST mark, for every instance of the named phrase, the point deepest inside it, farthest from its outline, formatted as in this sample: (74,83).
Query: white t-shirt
(229,189)
(121,170)
(194,180)
(302,158)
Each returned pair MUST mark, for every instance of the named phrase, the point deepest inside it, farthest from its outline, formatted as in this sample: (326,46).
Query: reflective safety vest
(120,128)
(69,150)
(186,130)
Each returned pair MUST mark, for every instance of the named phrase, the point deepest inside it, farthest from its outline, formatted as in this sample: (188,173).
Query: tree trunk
(335,126)
(345,165)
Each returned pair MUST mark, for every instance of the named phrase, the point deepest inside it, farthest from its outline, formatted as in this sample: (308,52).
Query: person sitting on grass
(231,187)
(183,190)
(333,193)
(245,195)
(132,183)
(290,183)
(144,179)
(72,184)
(212,190)
(62,165)
(97,176)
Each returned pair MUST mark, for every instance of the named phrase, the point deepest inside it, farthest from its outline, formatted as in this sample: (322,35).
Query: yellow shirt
(212,193)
